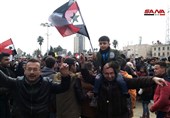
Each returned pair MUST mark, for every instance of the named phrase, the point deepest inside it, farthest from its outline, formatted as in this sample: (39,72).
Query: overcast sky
(122,20)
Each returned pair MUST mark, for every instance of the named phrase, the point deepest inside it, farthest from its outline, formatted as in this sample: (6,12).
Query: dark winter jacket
(47,72)
(112,103)
(107,55)
(7,71)
(5,98)
(32,100)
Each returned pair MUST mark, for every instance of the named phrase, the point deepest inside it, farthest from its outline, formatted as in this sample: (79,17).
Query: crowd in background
(102,85)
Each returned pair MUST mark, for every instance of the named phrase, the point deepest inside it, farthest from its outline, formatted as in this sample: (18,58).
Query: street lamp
(47,25)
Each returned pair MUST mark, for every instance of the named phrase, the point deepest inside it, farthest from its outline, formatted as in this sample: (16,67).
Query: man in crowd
(105,55)
(111,102)
(4,92)
(68,103)
(162,94)
(49,71)
(31,93)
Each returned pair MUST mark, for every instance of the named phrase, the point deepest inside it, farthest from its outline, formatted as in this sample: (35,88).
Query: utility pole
(140,40)
(47,25)
(167,38)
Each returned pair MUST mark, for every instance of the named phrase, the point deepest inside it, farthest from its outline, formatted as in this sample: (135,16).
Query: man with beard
(31,93)
(4,92)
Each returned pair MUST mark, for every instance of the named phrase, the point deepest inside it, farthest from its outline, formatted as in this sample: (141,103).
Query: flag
(9,51)
(68,19)
(6,43)
(8,47)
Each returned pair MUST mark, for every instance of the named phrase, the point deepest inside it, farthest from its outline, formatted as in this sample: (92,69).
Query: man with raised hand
(31,92)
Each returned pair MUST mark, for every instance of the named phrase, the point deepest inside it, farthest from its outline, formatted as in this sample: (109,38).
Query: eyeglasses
(32,69)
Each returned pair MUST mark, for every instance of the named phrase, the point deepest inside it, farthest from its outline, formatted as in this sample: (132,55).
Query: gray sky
(122,20)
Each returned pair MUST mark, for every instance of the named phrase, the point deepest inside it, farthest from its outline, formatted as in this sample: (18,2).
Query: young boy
(106,54)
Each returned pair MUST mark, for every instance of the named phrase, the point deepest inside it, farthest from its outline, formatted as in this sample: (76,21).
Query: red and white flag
(8,47)
(6,43)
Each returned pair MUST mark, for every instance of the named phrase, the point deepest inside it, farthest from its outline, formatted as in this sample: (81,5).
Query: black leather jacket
(4,91)
(32,101)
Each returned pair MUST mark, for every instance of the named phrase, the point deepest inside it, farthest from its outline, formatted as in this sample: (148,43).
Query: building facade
(79,43)
(161,50)
(138,50)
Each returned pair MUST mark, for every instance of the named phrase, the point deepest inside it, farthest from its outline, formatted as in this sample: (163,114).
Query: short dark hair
(104,38)
(161,64)
(70,61)
(2,55)
(50,62)
(59,59)
(149,60)
(33,60)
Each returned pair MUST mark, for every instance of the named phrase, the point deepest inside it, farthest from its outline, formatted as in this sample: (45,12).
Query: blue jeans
(119,79)
(145,107)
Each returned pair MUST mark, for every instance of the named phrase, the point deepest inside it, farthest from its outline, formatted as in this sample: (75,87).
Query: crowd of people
(101,85)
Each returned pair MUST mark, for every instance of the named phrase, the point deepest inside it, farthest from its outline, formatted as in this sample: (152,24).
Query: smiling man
(31,92)
(4,92)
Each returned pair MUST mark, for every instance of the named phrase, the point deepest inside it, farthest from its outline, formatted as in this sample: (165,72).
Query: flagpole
(85,27)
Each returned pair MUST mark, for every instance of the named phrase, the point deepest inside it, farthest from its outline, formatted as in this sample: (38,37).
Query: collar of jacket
(33,83)
(105,51)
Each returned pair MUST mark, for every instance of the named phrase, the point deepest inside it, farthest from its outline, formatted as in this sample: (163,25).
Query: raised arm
(65,80)
(145,81)
(6,81)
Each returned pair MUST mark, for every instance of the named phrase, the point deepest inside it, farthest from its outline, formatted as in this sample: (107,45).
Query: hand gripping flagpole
(85,28)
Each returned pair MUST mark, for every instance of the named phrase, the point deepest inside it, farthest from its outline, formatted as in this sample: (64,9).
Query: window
(159,54)
(158,48)
(163,54)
